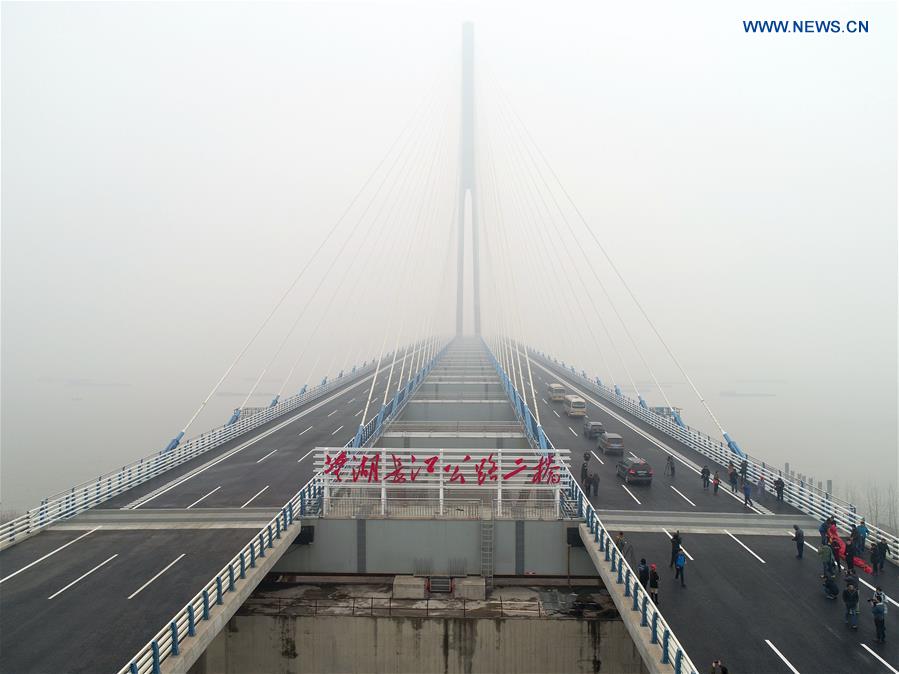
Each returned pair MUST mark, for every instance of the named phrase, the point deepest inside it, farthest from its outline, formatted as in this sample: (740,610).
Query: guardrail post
(666,638)
(303,502)
(205,604)
(627,582)
(277,526)
(253,555)
(643,621)
(637,587)
(290,512)
(243,566)
(191,621)
(218,590)
(620,560)
(231,577)
(678,661)
(655,627)
(174,627)
(270,542)
(615,560)
(262,544)
(133,668)
(155,648)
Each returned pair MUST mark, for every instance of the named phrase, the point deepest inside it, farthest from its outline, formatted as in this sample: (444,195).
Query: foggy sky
(167,169)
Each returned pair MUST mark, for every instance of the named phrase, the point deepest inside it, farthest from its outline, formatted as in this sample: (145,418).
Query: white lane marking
(544,401)
(301,432)
(634,455)
(202,497)
(49,554)
(259,437)
(168,566)
(82,577)
(335,432)
(745,548)
(874,589)
(306,455)
(689,556)
(603,463)
(658,443)
(631,495)
(781,656)
(253,498)
(572,431)
(358,413)
(331,414)
(682,495)
(267,455)
(557,414)
(351,401)
(882,661)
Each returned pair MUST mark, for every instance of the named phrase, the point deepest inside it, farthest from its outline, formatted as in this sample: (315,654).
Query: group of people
(843,557)
(648,574)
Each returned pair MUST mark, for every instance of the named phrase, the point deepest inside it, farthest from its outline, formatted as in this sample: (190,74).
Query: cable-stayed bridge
(137,570)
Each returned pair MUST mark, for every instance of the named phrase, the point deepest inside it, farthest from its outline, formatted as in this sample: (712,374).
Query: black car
(634,471)
(593,429)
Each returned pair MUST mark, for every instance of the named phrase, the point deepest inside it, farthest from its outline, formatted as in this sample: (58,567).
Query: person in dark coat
(654,584)
(799,537)
(831,590)
(779,489)
(884,550)
(879,612)
(850,599)
(705,474)
(643,573)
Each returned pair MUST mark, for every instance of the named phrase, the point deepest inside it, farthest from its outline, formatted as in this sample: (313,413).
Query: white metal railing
(306,502)
(802,496)
(661,634)
(86,495)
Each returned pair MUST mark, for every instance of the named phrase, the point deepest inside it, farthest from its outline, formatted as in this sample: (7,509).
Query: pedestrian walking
(850,599)
(675,547)
(584,474)
(732,476)
(825,554)
(747,494)
(879,612)
(760,488)
(705,477)
(799,537)
(654,584)
(595,484)
(779,489)
(715,482)
(679,565)
(718,667)
(643,573)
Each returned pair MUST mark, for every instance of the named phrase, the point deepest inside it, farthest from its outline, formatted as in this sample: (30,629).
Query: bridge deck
(93,626)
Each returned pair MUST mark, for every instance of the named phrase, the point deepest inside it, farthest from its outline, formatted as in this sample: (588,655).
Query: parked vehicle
(556,392)
(593,429)
(575,406)
(634,471)
(611,443)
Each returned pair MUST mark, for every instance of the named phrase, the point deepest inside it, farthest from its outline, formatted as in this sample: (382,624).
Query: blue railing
(651,619)
(802,496)
(307,502)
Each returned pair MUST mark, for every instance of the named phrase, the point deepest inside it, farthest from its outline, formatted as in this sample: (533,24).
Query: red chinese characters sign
(385,466)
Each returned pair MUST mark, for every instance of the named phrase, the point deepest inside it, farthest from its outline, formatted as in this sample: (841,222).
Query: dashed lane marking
(166,568)
(82,577)
(745,547)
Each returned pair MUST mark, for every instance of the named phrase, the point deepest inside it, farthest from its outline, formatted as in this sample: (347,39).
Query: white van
(575,406)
